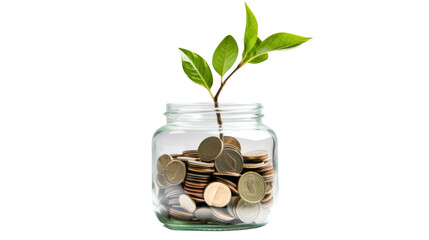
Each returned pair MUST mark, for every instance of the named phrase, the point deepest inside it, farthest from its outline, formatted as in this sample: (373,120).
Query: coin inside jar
(255,154)
(233,141)
(252,187)
(247,212)
(217,194)
(162,162)
(229,161)
(175,172)
(187,203)
(210,148)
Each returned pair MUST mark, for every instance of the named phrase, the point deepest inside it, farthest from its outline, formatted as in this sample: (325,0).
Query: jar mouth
(206,112)
(210,107)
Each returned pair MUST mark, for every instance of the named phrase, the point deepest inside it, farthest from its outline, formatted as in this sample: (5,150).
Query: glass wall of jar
(214,168)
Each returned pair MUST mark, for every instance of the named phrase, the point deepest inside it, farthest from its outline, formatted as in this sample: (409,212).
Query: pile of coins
(216,184)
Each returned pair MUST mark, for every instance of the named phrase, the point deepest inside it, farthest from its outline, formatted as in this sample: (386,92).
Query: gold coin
(229,161)
(255,154)
(163,160)
(233,141)
(187,203)
(252,187)
(175,172)
(210,148)
(217,194)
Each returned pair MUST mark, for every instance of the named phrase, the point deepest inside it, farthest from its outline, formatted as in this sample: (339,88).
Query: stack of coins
(259,161)
(216,184)
(197,178)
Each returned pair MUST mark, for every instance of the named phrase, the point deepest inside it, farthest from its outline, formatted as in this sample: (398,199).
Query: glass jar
(214,168)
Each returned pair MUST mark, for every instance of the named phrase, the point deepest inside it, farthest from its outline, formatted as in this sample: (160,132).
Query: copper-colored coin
(268,203)
(197,199)
(199,195)
(201,170)
(175,155)
(190,151)
(180,214)
(196,190)
(210,148)
(270,187)
(255,154)
(197,180)
(226,181)
(253,165)
(233,141)
(173,194)
(217,194)
(162,162)
(196,175)
(175,172)
(232,147)
(267,197)
(228,174)
(233,189)
(195,184)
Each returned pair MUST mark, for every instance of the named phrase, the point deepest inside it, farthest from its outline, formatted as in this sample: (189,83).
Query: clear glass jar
(193,190)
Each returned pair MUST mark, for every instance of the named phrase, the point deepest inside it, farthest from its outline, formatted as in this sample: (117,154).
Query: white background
(83,86)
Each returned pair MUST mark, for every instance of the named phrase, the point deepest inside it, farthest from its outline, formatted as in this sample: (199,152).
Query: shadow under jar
(214,168)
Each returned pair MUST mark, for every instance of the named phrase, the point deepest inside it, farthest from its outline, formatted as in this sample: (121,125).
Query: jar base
(208,227)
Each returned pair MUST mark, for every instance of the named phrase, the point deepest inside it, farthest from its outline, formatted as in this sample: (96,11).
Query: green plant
(255,51)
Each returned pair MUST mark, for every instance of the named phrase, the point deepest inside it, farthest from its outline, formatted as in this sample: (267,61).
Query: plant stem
(224,82)
(216,103)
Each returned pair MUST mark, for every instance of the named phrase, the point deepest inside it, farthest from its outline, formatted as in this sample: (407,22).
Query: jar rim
(207,113)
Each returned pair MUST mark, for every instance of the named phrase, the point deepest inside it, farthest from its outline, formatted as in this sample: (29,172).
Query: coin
(210,148)
(255,154)
(180,214)
(252,187)
(247,212)
(228,174)
(196,163)
(203,213)
(253,165)
(233,141)
(161,181)
(270,187)
(231,205)
(217,194)
(162,162)
(187,203)
(229,161)
(262,215)
(221,215)
(175,172)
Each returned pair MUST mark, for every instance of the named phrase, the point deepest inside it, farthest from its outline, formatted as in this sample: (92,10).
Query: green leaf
(196,68)
(260,58)
(225,55)
(250,33)
(280,41)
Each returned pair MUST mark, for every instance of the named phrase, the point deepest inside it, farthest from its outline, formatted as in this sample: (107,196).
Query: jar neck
(206,115)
